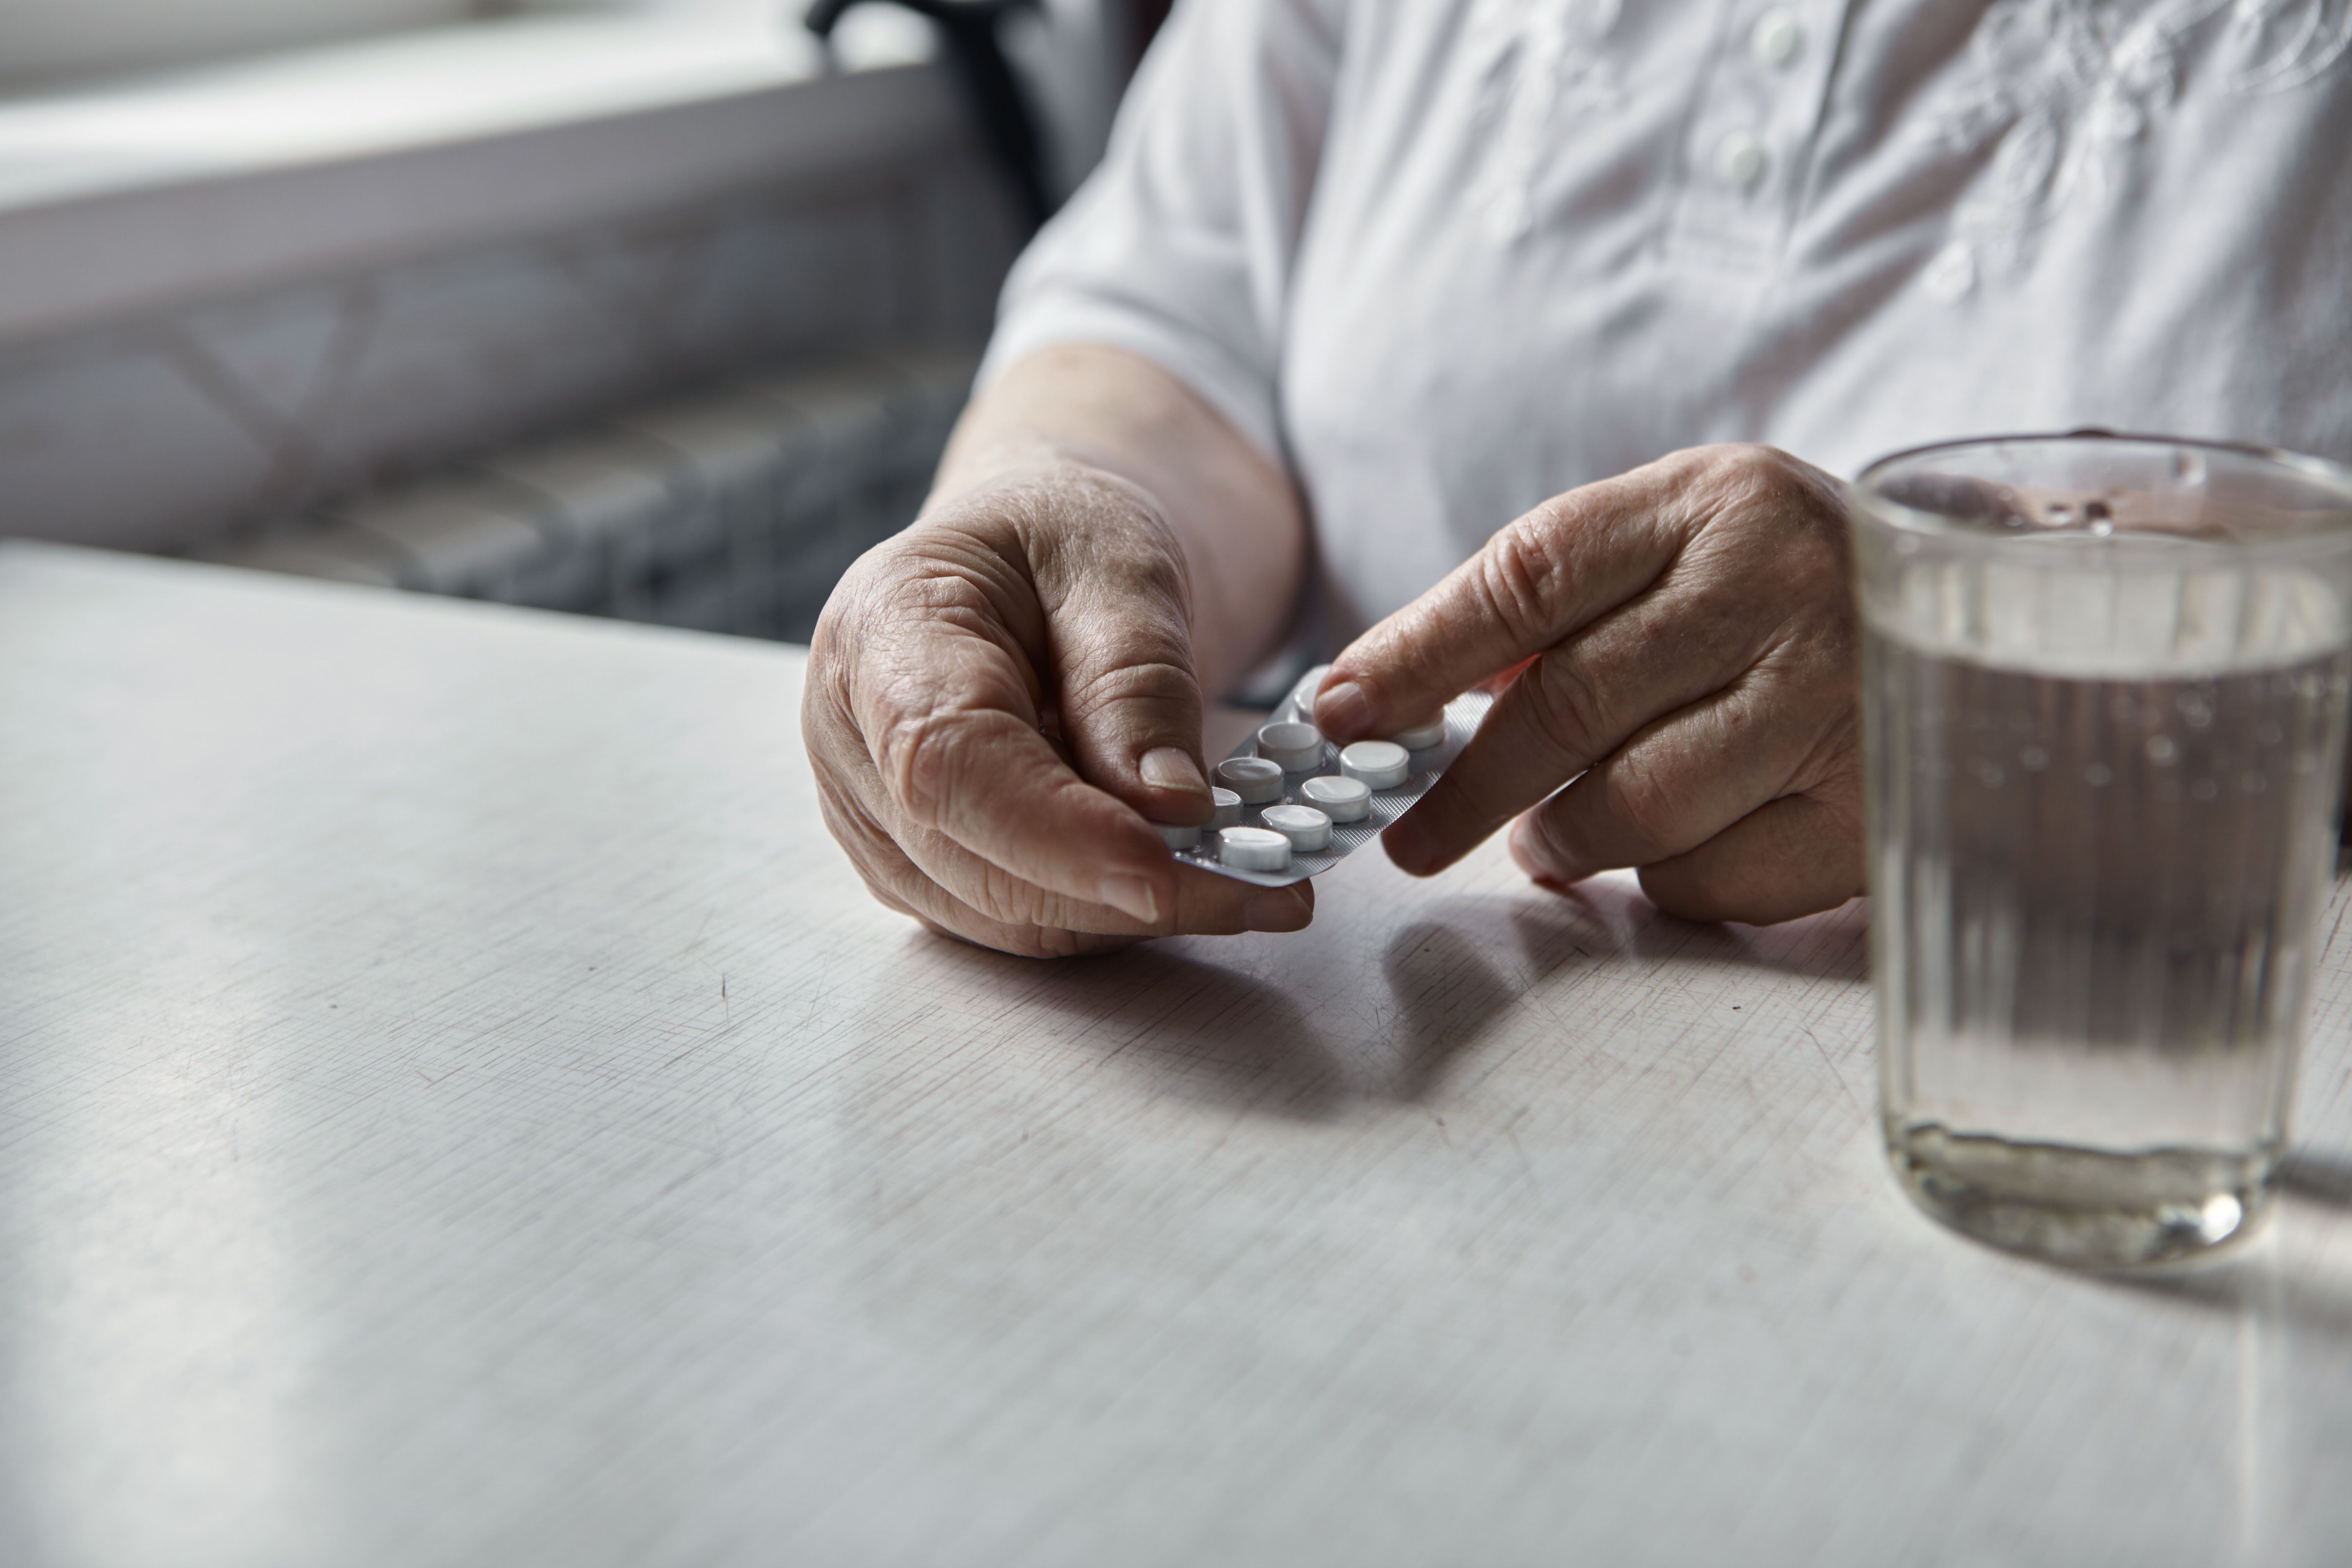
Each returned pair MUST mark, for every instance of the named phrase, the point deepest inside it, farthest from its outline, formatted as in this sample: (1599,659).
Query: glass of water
(2104,692)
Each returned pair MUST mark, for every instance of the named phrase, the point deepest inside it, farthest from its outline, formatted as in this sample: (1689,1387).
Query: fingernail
(1409,845)
(1281,909)
(1342,711)
(1130,895)
(1169,767)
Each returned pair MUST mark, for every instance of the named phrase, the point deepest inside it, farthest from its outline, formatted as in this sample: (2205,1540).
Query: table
(455,1106)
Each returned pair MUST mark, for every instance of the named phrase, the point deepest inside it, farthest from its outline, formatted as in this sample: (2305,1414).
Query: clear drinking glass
(2104,689)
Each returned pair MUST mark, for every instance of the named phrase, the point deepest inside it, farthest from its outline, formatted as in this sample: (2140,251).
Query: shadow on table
(1219,1033)
(2319,1178)
(1445,993)
(1610,919)
(1313,1032)
(1194,1028)
(1222,1034)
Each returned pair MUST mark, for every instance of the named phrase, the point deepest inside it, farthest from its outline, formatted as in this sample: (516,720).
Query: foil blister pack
(1277,831)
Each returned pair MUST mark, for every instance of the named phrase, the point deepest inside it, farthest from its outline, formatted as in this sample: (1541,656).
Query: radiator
(735,511)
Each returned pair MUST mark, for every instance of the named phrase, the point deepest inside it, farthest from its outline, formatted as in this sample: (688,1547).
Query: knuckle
(1049,924)
(1026,936)
(1047,941)
(1072,924)
(1081,523)
(1813,681)
(1706,896)
(1775,536)
(1020,940)
(1569,707)
(922,759)
(873,854)
(1834,790)
(824,716)
(1768,468)
(1519,574)
(1135,558)
(1154,681)
(842,624)
(966,597)
(1010,899)
(1646,807)
(1754,482)
(1757,478)
(1152,562)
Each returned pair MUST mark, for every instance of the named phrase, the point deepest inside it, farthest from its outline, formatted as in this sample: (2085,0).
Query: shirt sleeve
(1181,245)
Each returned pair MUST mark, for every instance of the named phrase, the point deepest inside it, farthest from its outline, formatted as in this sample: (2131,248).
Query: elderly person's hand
(1687,638)
(1003,700)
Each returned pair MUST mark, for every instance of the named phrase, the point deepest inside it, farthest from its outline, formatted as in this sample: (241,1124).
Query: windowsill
(132,196)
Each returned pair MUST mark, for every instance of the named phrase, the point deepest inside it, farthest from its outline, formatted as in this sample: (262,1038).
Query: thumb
(1110,575)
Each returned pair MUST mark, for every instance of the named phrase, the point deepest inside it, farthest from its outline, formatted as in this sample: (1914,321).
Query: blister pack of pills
(1291,805)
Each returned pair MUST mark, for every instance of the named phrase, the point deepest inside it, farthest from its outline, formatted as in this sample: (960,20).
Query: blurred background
(658,309)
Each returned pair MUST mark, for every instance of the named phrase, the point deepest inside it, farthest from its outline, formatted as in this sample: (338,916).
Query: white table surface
(455,1106)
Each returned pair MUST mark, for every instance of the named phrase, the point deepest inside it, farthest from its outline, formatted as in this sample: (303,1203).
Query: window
(45,42)
(60,43)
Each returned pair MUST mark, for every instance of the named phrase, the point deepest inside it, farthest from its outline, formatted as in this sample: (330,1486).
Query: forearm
(1236,512)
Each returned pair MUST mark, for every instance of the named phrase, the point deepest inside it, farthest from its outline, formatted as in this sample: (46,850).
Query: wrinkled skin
(1681,643)
(1001,702)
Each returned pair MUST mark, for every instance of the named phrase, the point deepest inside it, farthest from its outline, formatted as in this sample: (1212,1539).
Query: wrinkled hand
(1688,636)
(998,700)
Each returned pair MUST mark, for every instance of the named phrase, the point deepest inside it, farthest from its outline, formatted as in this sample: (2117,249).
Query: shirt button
(1741,160)
(1777,38)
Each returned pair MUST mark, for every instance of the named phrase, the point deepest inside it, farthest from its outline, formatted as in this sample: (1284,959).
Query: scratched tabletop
(458,1106)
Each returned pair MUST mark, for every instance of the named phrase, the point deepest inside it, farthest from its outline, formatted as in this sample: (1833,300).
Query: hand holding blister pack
(1291,805)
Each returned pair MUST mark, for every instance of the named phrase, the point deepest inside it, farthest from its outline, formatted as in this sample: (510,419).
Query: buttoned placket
(1755,110)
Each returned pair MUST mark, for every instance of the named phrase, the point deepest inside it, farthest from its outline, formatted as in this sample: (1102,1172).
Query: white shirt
(1446,258)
